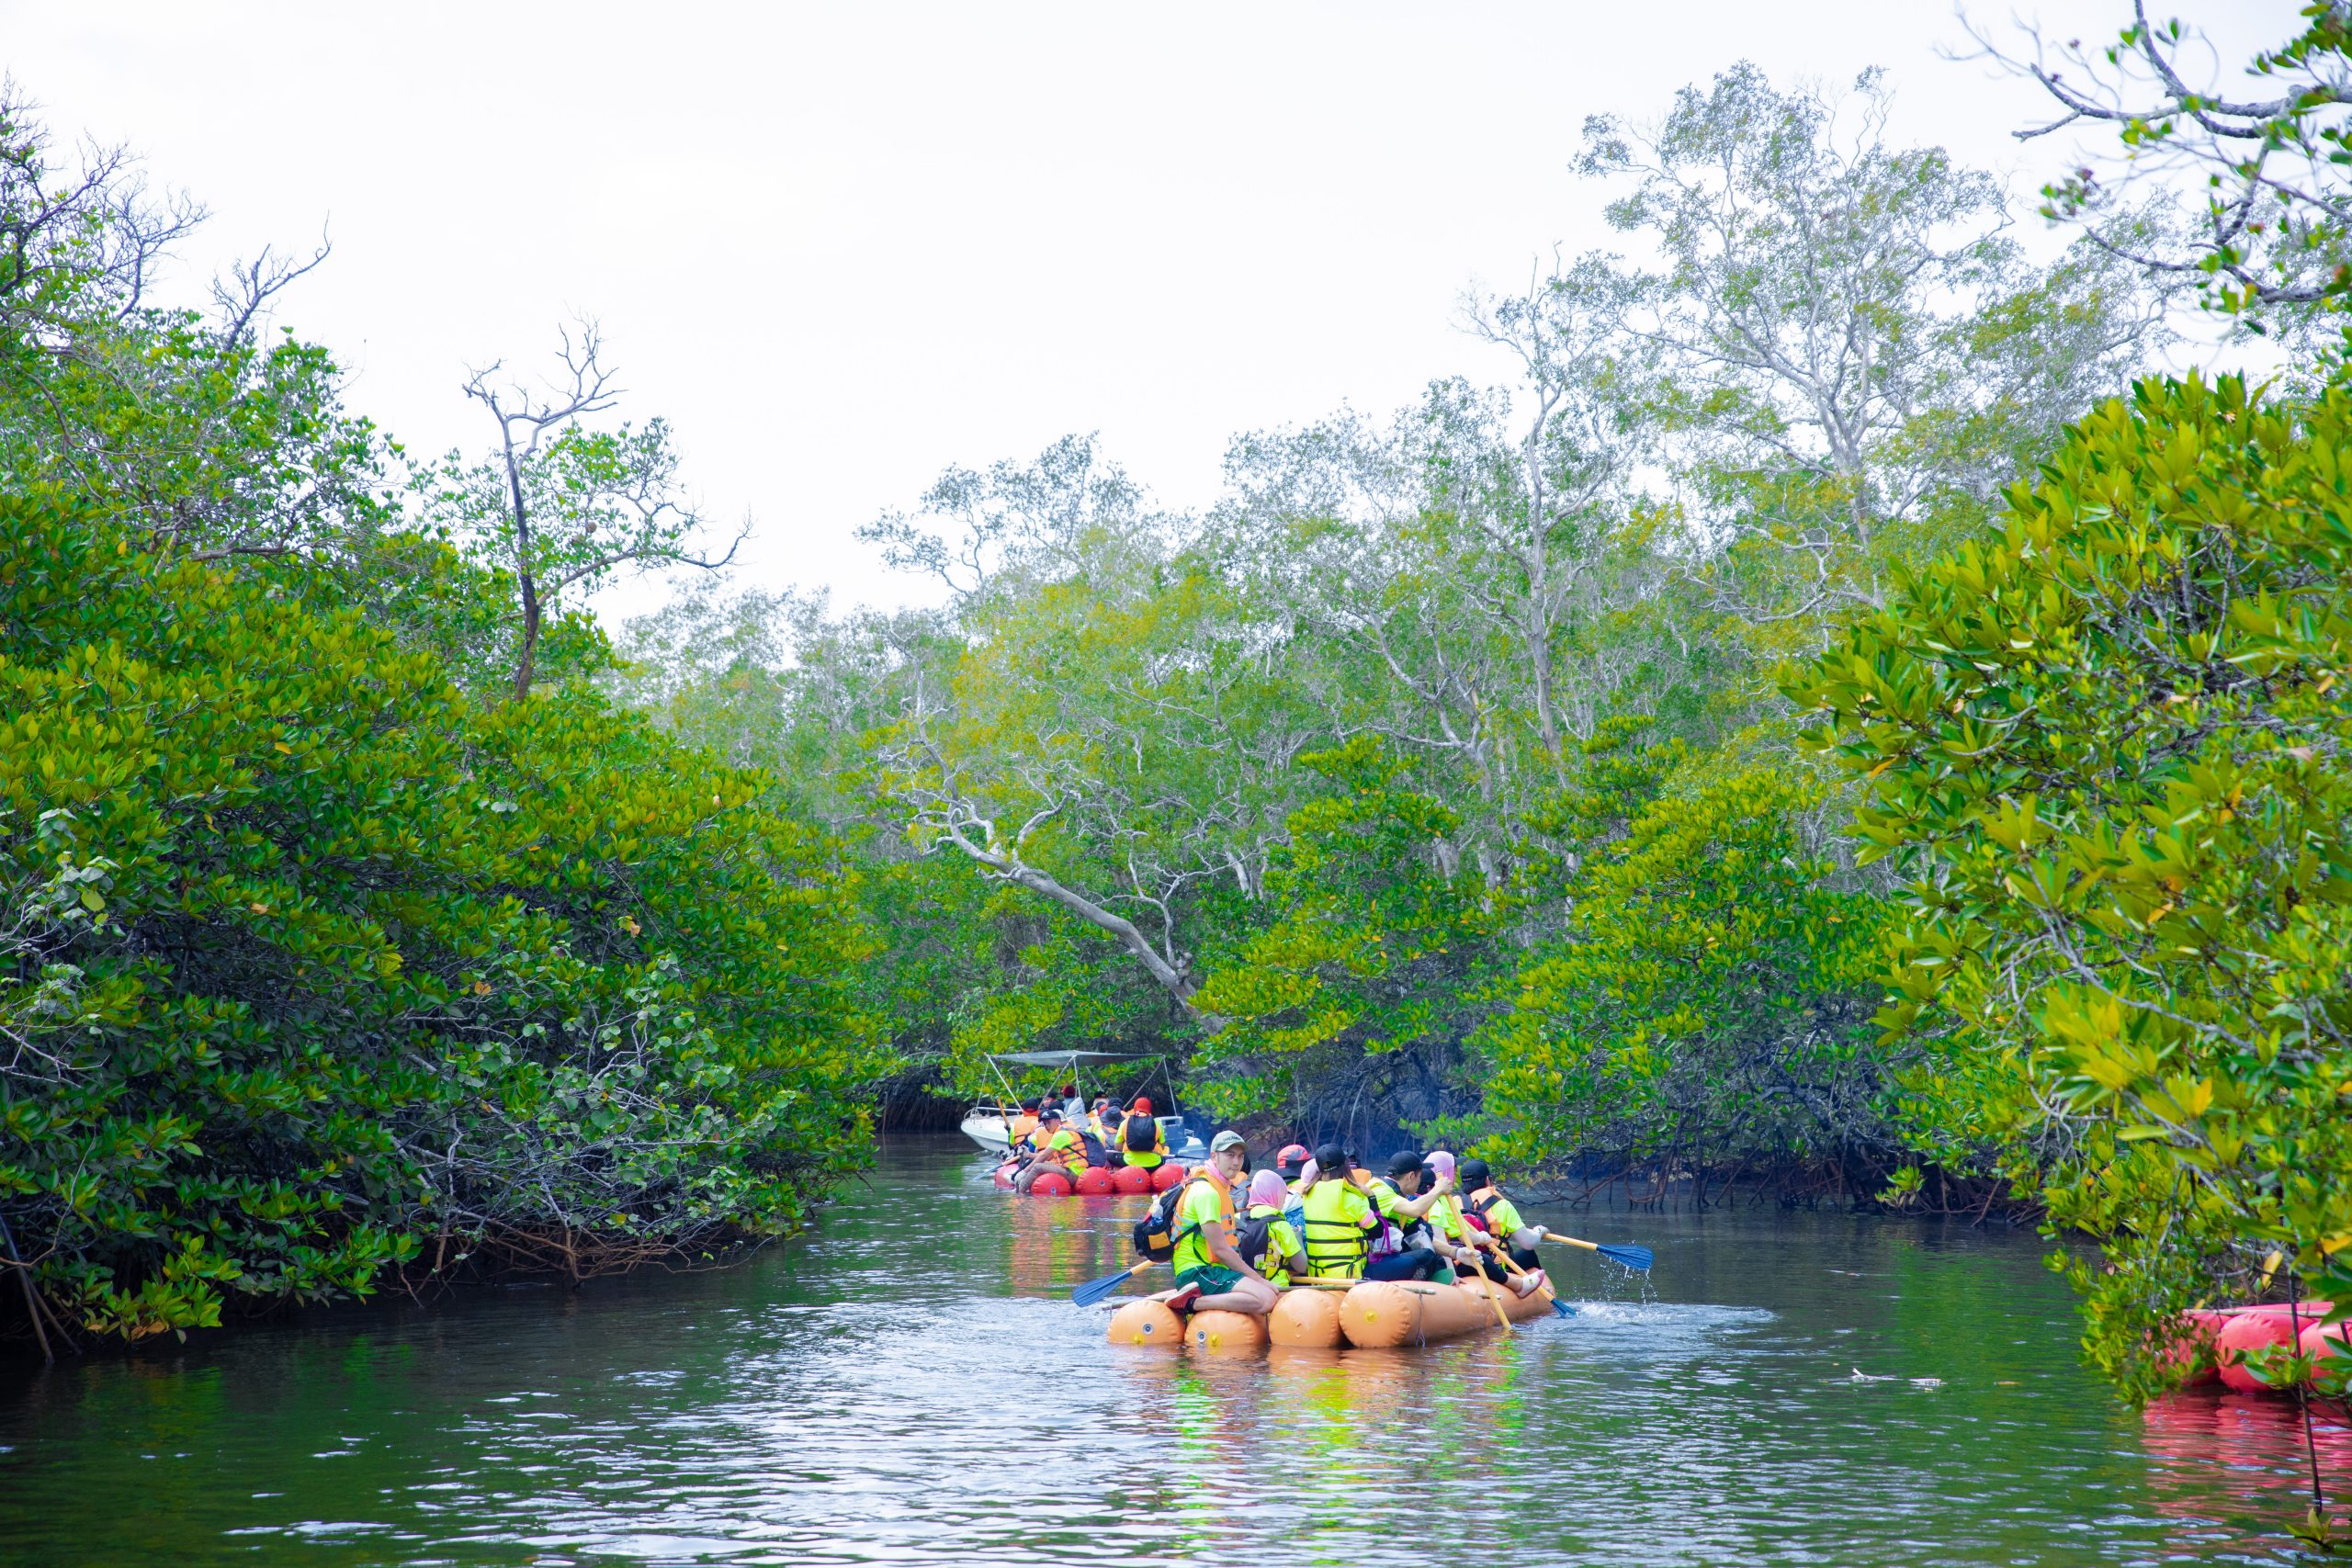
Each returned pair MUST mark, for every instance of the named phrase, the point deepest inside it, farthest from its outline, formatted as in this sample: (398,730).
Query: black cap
(1404,1162)
(1332,1158)
(1473,1174)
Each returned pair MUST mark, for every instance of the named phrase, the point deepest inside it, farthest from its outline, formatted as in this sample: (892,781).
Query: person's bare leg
(1248,1295)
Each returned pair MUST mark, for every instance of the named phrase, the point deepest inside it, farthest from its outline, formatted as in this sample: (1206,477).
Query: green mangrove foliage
(1438,775)
(321,953)
(2107,746)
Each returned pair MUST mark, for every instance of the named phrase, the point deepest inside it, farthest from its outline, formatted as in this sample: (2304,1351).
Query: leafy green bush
(1707,1003)
(314,966)
(2107,744)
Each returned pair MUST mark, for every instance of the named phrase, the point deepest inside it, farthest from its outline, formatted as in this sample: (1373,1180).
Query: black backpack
(1157,1233)
(1095,1152)
(1250,1238)
(1146,1129)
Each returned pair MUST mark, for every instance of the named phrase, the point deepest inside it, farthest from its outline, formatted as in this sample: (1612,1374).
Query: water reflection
(912,1386)
(2252,1450)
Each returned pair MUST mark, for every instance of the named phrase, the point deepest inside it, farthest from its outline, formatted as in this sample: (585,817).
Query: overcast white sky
(843,247)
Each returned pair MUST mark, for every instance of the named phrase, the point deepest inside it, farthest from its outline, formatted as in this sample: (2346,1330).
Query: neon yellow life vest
(1336,1238)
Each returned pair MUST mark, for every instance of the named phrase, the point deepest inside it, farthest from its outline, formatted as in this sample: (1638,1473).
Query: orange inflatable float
(1147,1322)
(1384,1314)
(1377,1314)
(1306,1320)
(1225,1332)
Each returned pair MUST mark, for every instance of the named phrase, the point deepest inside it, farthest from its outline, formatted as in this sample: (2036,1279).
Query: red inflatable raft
(2216,1341)
(1095,1181)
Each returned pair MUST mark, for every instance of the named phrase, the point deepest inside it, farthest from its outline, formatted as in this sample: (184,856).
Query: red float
(1052,1184)
(1131,1178)
(2329,1345)
(1002,1176)
(1095,1181)
(2192,1353)
(1166,1176)
(2247,1331)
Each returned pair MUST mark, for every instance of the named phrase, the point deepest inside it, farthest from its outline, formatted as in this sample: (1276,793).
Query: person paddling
(1484,1204)
(1406,1246)
(1211,1273)
(1467,1240)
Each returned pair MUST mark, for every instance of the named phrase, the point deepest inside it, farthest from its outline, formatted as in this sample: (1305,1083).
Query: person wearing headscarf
(1263,1236)
(1475,1251)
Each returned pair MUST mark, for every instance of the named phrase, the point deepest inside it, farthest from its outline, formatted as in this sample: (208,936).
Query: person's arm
(1414,1208)
(1453,1237)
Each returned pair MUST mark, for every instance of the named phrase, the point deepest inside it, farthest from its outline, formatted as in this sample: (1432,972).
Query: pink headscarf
(1440,1161)
(1266,1187)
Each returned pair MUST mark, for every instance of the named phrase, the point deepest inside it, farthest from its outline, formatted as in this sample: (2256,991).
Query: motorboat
(989,1122)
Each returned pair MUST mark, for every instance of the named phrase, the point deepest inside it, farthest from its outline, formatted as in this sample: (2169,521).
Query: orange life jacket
(1072,1154)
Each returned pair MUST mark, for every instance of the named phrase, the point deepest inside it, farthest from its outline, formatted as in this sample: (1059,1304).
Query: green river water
(911,1384)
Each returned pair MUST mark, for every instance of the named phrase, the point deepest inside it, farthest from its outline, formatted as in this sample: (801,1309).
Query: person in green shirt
(1495,1260)
(1058,1148)
(1407,1247)
(1211,1273)
(1482,1198)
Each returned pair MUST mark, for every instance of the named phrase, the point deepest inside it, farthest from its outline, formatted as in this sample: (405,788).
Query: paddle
(1636,1257)
(1094,1291)
(1495,1300)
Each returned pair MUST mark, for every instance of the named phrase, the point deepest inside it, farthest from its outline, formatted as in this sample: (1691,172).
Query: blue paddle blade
(1637,1259)
(1562,1309)
(1100,1289)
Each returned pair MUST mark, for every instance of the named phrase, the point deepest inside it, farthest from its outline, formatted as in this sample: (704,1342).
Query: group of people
(1068,1135)
(1319,1215)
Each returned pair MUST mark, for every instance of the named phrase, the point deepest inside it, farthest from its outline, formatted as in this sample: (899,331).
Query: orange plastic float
(1147,1322)
(1373,1315)
(1131,1178)
(1306,1320)
(1379,1315)
(1225,1332)
(1095,1181)
(1164,1176)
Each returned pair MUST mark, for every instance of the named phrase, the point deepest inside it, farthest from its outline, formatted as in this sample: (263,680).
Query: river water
(913,1385)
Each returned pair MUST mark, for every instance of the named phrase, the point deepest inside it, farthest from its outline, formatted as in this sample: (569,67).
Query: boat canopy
(1061,1058)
